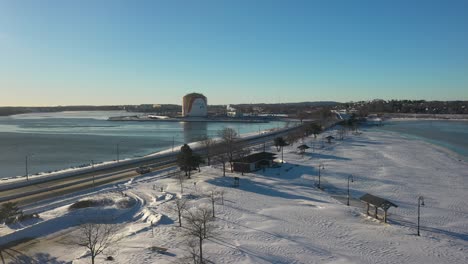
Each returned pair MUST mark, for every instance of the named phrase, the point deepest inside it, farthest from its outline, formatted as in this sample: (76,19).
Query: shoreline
(397,116)
(450,153)
(78,169)
(402,119)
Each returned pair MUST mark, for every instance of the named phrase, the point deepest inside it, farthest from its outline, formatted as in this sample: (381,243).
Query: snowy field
(279,216)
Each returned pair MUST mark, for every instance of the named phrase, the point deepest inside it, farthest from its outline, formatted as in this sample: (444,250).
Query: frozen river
(53,141)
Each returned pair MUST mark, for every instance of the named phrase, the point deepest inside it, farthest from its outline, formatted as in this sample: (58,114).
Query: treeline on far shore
(6,111)
(363,108)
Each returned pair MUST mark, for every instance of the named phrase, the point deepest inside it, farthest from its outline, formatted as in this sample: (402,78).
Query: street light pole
(26,165)
(352,180)
(92,166)
(420,203)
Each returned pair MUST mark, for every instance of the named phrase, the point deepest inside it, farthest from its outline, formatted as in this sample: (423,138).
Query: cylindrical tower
(194,104)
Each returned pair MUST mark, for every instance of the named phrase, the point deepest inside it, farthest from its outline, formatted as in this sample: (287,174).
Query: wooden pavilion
(377,203)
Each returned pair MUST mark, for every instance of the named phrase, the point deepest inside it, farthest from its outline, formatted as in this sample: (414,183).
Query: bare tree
(341,132)
(181,204)
(294,136)
(199,226)
(229,138)
(213,198)
(221,194)
(221,156)
(181,179)
(96,237)
(241,149)
(208,144)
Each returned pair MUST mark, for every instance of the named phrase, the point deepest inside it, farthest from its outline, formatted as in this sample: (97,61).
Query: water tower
(194,104)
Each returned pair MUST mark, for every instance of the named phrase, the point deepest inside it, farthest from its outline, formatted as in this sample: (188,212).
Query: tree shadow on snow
(38,258)
(413,226)
(249,185)
(165,220)
(324,156)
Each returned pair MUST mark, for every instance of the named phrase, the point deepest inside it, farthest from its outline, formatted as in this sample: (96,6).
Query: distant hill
(6,111)
(317,103)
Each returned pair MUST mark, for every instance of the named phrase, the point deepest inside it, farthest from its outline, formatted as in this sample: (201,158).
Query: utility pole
(92,166)
(118,154)
(26,165)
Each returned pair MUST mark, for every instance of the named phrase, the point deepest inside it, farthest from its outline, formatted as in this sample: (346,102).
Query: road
(39,191)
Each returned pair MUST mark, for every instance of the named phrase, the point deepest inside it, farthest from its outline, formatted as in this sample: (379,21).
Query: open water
(54,141)
(449,134)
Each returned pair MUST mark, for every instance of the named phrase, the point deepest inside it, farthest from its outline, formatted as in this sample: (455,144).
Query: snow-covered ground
(279,216)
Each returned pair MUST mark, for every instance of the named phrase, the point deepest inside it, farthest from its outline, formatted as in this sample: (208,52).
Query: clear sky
(131,52)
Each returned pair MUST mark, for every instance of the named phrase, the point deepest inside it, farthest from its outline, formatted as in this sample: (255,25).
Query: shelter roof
(256,157)
(377,201)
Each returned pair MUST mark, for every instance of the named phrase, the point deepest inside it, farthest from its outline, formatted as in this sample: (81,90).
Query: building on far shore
(194,105)
(233,112)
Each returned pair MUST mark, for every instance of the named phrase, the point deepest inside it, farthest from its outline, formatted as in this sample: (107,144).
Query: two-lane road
(54,187)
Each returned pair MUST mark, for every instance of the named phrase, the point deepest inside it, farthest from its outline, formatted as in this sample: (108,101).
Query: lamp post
(320,168)
(173,143)
(420,203)
(92,166)
(352,180)
(26,165)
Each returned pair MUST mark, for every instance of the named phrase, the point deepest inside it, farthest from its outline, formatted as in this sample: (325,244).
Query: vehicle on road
(143,170)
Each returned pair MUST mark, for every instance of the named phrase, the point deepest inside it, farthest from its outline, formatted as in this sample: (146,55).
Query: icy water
(452,135)
(54,141)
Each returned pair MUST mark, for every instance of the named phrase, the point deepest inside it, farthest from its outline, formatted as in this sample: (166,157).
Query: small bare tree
(221,157)
(181,179)
(341,133)
(229,139)
(96,237)
(221,194)
(241,149)
(199,226)
(213,198)
(181,204)
(208,144)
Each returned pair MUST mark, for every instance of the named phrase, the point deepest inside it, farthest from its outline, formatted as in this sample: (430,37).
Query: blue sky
(132,52)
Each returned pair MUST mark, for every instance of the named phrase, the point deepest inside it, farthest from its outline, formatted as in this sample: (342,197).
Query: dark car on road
(143,170)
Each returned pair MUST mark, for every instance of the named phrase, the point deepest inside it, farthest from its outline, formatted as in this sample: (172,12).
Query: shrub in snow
(92,203)
(9,213)
(24,217)
(125,203)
